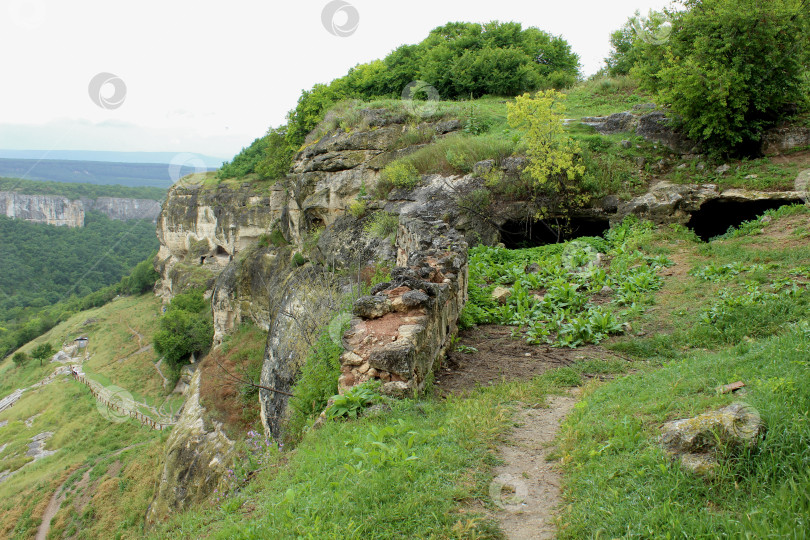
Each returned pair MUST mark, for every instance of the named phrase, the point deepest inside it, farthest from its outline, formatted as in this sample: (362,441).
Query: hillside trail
(526,487)
(59,496)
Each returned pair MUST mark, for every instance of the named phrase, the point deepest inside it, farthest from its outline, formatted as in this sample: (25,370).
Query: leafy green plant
(351,402)
(401,174)
(382,224)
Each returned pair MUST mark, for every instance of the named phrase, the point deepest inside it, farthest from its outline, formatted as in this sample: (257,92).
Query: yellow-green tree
(554,168)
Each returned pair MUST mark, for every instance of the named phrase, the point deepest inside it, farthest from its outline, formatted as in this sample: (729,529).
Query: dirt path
(162,376)
(60,495)
(527,487)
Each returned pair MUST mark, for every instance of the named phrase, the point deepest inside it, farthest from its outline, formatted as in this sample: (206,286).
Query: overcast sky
(209,77)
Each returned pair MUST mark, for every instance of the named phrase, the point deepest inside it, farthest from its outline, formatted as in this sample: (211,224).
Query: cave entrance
(715,217)
(516,234)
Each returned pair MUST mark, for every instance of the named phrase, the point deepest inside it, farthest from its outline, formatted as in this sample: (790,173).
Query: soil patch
(526,487)
(496,356)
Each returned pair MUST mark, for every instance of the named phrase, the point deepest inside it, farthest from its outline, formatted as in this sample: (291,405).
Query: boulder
(616,123)
(372,307)
(413,299)
(500,294)
(697,440)
(655,126)
(778,140)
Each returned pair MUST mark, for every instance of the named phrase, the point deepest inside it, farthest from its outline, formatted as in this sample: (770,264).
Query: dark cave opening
(516,234)
(715,217)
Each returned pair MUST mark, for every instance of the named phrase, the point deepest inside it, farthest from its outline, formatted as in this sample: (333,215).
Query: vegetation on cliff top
(457,60)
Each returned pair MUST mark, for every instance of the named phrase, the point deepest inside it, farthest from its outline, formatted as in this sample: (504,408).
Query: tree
(42,352)
(731,69)
(20,358)
(639,41)
(185,329)
(554,170)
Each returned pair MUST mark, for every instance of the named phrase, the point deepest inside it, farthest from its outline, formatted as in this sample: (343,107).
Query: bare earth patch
(526,487)
(499,357)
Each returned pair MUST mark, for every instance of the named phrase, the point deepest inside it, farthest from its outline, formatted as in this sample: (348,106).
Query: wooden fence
(142,418)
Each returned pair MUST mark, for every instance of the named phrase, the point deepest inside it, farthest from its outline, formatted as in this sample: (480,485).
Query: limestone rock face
(198,454)
(675,203)
(61,211)
(206,228)
(50,209)
(779,140)
(124,209)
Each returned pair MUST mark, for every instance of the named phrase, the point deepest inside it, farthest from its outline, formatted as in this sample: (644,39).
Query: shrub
(20,358)
(186,328)
(730,69)
(317,382)
(358,208)
(401,174)
(554,169)
(382,224)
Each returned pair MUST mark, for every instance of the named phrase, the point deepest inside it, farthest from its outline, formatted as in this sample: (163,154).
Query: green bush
(185,328)
(317,382)
(382,224)
(730,69)
(401,174)
(20,358)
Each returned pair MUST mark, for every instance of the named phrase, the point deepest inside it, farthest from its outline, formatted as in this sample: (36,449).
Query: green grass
(620,483)
(82,436)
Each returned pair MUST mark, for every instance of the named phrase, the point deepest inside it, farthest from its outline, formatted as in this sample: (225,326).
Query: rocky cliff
(50,209)
(61,211)
(290,257)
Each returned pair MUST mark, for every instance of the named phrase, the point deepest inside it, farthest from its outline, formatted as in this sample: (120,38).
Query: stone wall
(402,329)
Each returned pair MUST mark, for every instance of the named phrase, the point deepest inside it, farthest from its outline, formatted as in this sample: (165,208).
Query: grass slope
(107,490)
(422,469)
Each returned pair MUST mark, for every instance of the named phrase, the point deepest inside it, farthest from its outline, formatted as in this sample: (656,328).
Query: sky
(209,77)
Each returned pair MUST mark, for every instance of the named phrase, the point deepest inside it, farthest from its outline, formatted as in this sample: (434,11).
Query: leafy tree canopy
(460,60)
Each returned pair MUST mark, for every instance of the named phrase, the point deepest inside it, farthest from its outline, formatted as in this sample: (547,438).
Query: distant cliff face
(48,209)
(124,209)
(61,211)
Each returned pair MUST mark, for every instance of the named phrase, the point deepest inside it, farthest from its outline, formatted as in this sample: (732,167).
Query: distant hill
(94,172)
(115,157)
(78,191)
